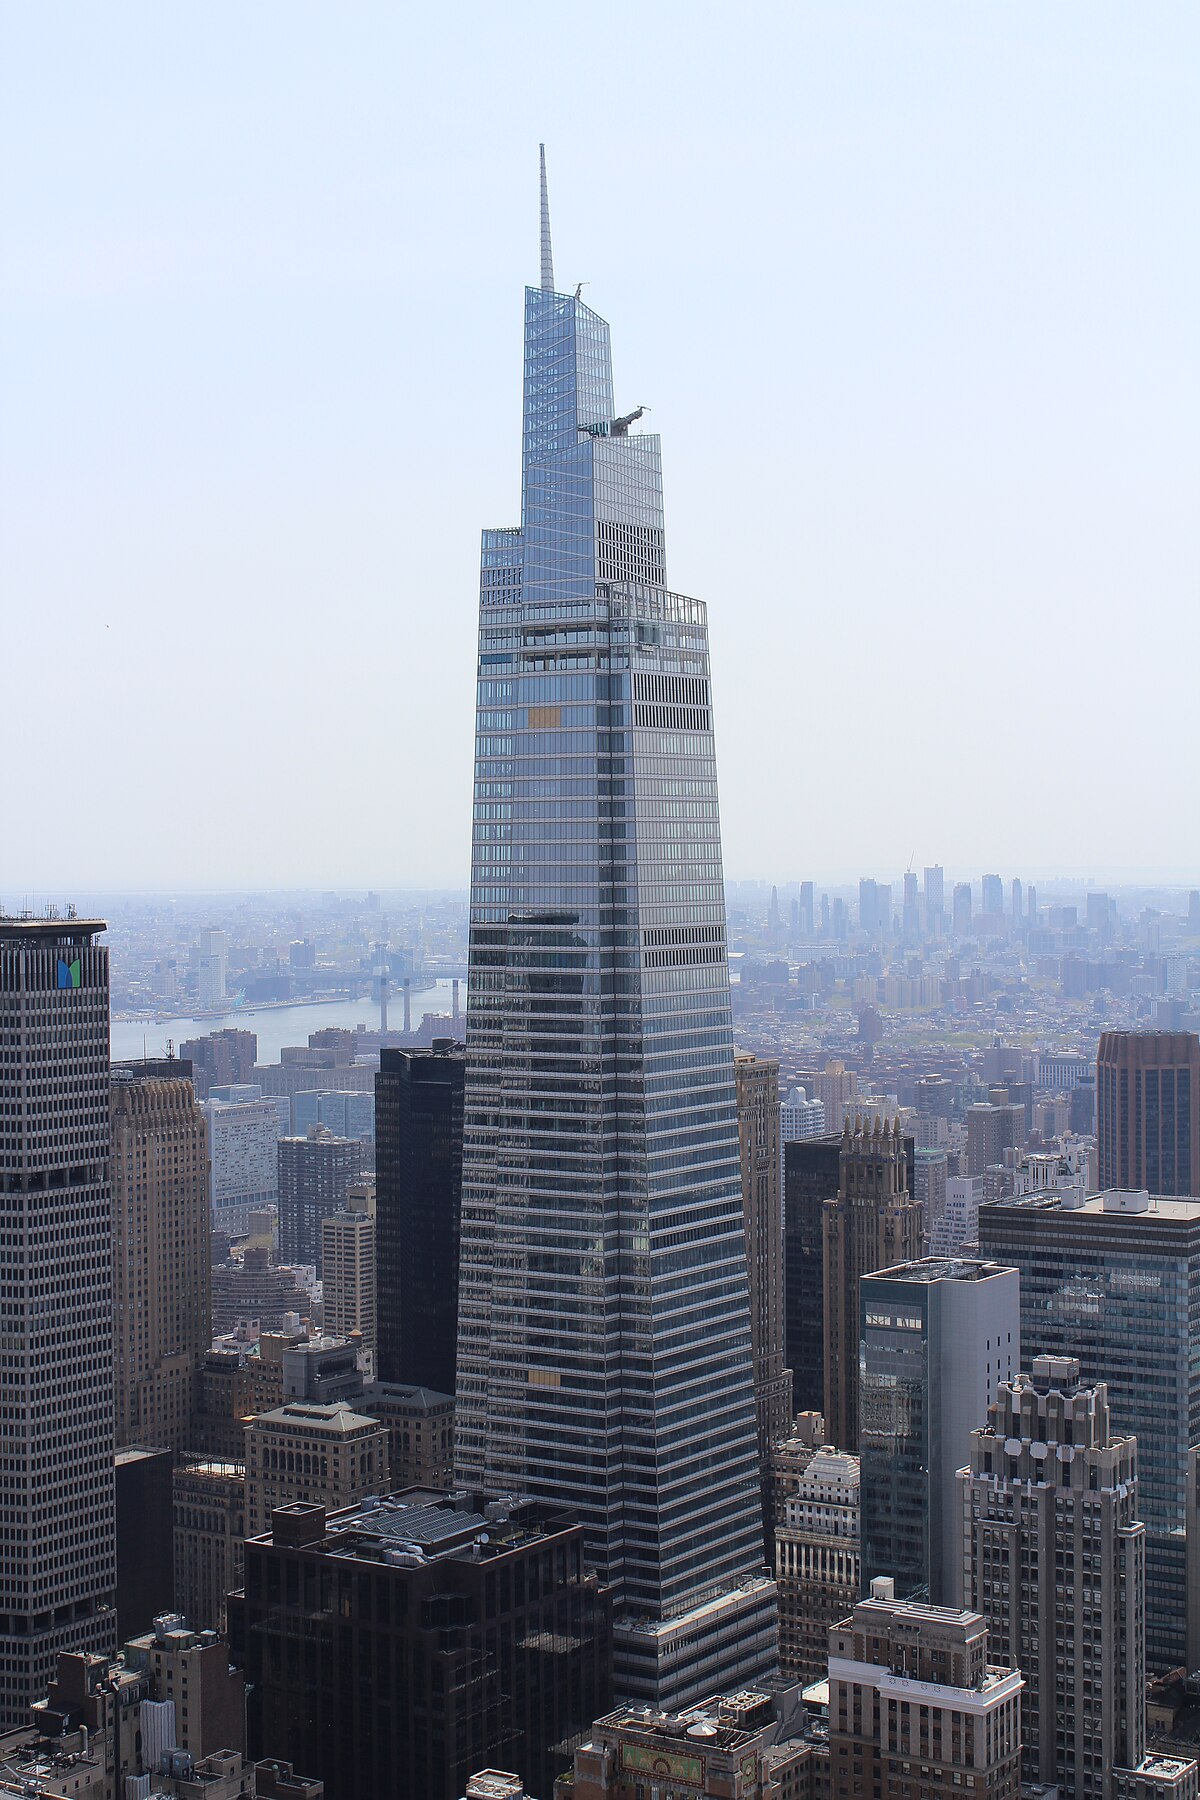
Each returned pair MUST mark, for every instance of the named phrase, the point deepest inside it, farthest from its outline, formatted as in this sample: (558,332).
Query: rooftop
(419,1525)
(52,930)
(939,1268)
(1114,1203)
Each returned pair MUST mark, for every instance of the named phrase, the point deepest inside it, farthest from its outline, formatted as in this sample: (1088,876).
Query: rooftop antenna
(547,253)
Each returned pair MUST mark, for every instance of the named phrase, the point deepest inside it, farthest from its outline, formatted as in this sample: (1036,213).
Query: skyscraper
(57,1509)
(1148,1111)
(1048,1507)
(811,1172)
(604,1356)
(1115,1281)
(162,1251)
(315,1173)
(874,1223)
(937,1337)
(935,899)
(418,1201)
(762,1204)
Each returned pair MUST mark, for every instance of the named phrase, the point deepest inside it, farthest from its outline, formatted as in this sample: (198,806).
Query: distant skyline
(911,293)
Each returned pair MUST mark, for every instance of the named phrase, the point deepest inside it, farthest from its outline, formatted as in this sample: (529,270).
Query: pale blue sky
(911,289)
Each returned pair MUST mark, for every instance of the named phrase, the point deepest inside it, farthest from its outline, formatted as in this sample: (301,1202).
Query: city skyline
(258,312)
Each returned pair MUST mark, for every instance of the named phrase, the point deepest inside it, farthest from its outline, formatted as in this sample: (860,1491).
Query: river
(279,1025)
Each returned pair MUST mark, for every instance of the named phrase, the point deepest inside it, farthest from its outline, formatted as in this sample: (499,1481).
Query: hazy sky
(911,289)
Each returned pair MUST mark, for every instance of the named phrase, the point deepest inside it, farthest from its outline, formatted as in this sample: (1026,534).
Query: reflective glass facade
(1121,1291)
(604,1329)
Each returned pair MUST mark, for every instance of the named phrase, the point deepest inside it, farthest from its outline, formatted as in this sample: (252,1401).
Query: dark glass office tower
(57,1500)
(418,1181)
(604,1328)
(1148,1111)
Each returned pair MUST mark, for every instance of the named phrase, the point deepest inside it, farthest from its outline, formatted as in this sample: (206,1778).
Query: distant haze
(911,291)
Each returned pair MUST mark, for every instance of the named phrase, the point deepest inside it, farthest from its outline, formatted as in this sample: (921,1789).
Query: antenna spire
(547,253)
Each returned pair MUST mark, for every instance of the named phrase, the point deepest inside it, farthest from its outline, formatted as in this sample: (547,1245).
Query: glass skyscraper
(604,1327)
(1115,1282)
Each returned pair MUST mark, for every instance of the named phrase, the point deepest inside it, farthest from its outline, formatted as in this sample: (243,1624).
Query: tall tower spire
(547,253)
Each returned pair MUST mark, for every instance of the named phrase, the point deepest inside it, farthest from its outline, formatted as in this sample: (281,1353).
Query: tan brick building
(162,1297)
(330,1455)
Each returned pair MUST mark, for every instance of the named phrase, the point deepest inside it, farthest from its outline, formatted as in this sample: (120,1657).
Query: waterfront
(277,1025)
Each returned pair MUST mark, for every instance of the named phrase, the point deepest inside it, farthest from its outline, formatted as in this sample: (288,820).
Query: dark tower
(1148,1111)
(418,1173)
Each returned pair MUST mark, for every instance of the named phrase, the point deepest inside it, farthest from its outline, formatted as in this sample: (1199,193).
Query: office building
(874,1223)
(1115,1282)
(348,1274)
(911,912)
(961,914)
(243,1160)
(57,1505)
(191,1669)
(1148,1111)
(162,1286)
(929,1187)
(935,900)
(236,1383)
(991,1130)
(254,1289)
(991,900)
(817,1566)
(757,1087)
(220,1059)
(937,1338)
(420,1426)
(165,1716)
(811,1175)
(600,1117)
(212,969)
(1054,1558)
(345,1114)
(209,1528)
(807,921)
(418,1204)
(917,1708)
(739,1744)
(958,1226)
(315,1067)
(304,1451)
(799,1119)
(145,1563)
(322,1369)
(481,1639)
(315,1173)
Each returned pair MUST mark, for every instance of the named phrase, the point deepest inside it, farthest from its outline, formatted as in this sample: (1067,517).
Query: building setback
(162,1262)
(57,1497)
(398,1648)
(418,1202)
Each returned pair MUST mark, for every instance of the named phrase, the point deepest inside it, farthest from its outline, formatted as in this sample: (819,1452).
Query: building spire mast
(547,253)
